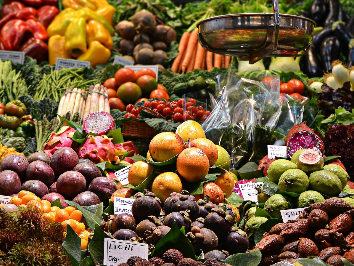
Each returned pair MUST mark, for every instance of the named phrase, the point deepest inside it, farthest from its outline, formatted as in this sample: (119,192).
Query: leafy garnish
(72,246)
(235,199)
(92,214)
(249,171)
(252,258)
(96,244)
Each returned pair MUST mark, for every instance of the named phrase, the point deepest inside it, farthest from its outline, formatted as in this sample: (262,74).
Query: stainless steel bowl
(254,36)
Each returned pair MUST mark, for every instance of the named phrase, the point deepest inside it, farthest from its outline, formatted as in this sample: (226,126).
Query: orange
(165,145)
(166,183)
(129,92)
(162,87)
(84,243)
(145,71)
(23,193)
(124,75)
(76,215)
(61,215)
(138,172)
(46,206)
(16,200)
(70,209)
(147,84)
(112,93)
(116,103)
(49,216)
(54,209)
(226,182)
(206,146)
(159,94)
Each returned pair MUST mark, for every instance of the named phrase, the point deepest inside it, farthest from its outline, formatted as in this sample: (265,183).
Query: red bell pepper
(14,33)
(27,13)
(36,49)
(12,7)
(39,31)
(10,16)
(33,3)
(50,2)
(46,14)
(1,45)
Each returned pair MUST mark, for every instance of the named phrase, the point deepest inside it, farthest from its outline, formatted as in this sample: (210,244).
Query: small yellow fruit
(166,183)
(165,146)
(190,129)
(215,193)
(224,160)
(138,172)
(226,182)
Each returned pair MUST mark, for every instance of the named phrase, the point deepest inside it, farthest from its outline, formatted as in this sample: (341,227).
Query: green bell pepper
(10,134)
(28,128)
(20,133)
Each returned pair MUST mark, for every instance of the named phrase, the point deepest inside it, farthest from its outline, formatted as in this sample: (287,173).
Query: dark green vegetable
(27,127)
(18,143)
(20,133)
(330,50)
(10,133)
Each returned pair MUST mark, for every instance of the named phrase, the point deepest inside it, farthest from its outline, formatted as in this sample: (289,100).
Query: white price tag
(5,199)
(249,191)
(15,57)
(122,175)
(123,205)
(154,68)
(291,214)
(276,151)
(122,61)
(70,63)
(119,251)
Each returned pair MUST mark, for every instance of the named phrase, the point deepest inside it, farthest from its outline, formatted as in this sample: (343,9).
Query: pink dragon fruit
(130,147)
(237,189)
(264,164)
(304,139)
(62,138)
(99,123)
(99,149)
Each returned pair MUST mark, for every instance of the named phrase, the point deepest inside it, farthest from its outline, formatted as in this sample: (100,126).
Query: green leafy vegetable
(252,258)
(96,244)
(249,171)
(38,110)
(235,199)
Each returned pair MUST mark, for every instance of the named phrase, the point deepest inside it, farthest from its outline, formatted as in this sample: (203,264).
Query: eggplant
(320,36)
(311,63)
(335,12)
(330,50)
(344,37)
(318,11)
(350,58)
(350,25)
(346,16)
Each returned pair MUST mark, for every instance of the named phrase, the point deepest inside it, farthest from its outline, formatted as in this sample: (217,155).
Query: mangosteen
(10,182)
(186,205)
(103,187)
(39,156)
(39,170)
(178,218)
(88,170)
(145,228)
(219,222)
(125,234)
(216,254)
(206,240)
(87,198)
(198,222)
(35,186)
(17,163)
(64,159)
(146,205)
(123,221)
(236,242)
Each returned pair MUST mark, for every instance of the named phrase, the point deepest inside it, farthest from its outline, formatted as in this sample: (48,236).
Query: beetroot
(126,29)
(296,128)
(264,164)
(63,138)
(304,139)
(144,22)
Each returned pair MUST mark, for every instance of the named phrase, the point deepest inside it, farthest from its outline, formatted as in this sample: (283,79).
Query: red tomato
(178,117)
(116,103)
(112,93)
(268,81)
(296,95)
(145,71)
(297,85)
(124,75)
(2,111)
(162,87)
(159,94)
(2,105)
(111,84)
(286,88)
(129,107)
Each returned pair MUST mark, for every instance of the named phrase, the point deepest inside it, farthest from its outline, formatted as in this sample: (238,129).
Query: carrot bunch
(193,56)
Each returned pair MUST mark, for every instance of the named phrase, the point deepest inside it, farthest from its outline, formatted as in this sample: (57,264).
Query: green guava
(251,212)
(338,171)
(310,161)
(309,197)
(277,168)
(325,182)
(294,180)
(224,160)
(296,155)
(253,224)
(349,200)
(274,204)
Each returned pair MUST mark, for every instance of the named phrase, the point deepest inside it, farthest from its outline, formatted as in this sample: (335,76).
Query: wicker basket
(138,130)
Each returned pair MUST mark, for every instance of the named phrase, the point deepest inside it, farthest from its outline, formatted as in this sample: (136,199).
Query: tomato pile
(177,111)
(294,87)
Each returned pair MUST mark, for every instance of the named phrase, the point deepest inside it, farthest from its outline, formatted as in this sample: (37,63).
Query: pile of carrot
(193,56)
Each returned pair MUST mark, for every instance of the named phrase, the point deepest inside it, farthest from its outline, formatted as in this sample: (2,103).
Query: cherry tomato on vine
(296,95)
(193,101)
(286,88)
(181,102)
(178,117)
(129,115)
(297,85)
(167,111)
(129,107)
(178,110)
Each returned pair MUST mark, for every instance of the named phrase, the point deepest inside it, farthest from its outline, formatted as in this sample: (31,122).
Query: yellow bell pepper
(96,54)
(75,37)
(61,22)
(99,3)
(107,12)
(96,32)
(89,14)
(78,4)
(56,47)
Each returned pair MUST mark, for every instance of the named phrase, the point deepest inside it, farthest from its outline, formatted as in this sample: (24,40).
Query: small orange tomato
(141,100)
(159,94)
(116,103)
(145,71)
(162,87)
(296,95)
(112,93)
(2,111)
(111,84)
(286,88)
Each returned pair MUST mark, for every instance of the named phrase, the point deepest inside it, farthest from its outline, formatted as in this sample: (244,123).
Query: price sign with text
(290,214)
(15,57)
(122,61)
(5,199)
(249,191)
(276,151)
(70,63)
(122,175)
(123,205)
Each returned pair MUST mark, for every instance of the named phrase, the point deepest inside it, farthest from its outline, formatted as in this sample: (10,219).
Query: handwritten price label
(123,205)
(5,199)
(249,191)
(276,151)
(122,61)
(70,63)
(15,57)
(122,175)
(291,214)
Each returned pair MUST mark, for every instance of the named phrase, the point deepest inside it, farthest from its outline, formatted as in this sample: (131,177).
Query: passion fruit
(190,129)
(208,147)
(166,183)
(165,146)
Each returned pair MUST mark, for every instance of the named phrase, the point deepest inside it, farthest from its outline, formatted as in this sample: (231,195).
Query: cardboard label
(123,205)
(15,57)
(122,175)
(70,63)
(122,61)
(119,251)
(291,214)
(5,199)
(249,191)
(276,151)
(154,68)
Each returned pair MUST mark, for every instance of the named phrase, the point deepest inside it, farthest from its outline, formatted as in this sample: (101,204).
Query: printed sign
(122,175)
(15,57)
(290,214)
(123,205)
(249,191)
(154,68)
(122,61)
(5,199)
(119,251)
(276,151)
(70,63)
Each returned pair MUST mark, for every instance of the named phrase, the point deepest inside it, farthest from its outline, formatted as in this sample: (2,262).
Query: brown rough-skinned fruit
(297,229)
(17,163)
(10,183)
(349,255)
(287,255)
(328,252)
(64,159)
(343,223)
(276,229)
(350,238)
(322,235)
(270,244)
(70,184)
(335,260)
(292,246)
(39,170)
(318,219)
(307,248)
(268,260)
(333,206)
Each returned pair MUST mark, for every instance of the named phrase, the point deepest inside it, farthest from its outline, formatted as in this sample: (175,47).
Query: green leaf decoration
(262,213)
(269,187)
(346,262)
(265,227)
(116,135)
(74,125)
(235,199)
(168,162)
(87,262)
(330,158)
(252,258)
(110,208)
(57,203)
(109,166)
(197,187)
(72,246)
(92,214)
(291,194)
(96,245)
(316,261)
(146,184)
(249,171)
(77,137)
(174,238)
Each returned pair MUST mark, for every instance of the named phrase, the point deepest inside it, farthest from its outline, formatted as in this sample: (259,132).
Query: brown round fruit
(215,193)
(70,184)
(147,84)
(159,94)
(112,93)
(166,183)
(226,182)
(192,164)
(124,75)
(116,103)
(64,159)
(111,84)
(165,145)
(138,172)
(10,183)
(129,92)
(208,147)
